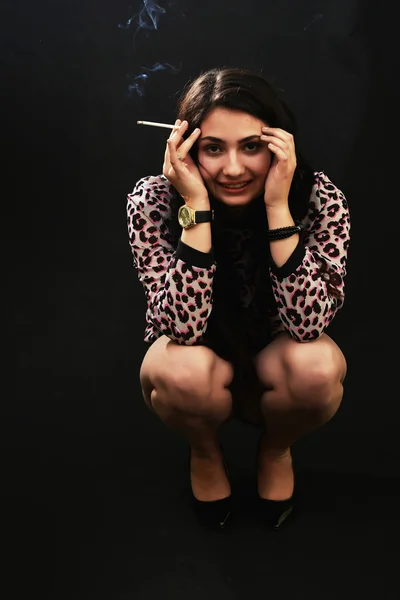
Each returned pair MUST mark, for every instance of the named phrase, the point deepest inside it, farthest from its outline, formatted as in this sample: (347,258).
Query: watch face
(184,216)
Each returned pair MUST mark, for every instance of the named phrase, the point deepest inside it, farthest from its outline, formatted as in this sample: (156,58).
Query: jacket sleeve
(177,283)
(309,287)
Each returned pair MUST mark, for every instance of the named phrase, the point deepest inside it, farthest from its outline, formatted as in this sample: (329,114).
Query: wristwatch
(188,217)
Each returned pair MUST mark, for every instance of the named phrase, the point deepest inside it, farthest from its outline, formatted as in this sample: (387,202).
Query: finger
(272,139)
(173,157)
(177,134)
(176,145)
(167,157)
(278,132)
(279,153)
(185,147)
(176,138)
(167,154)
(177,122)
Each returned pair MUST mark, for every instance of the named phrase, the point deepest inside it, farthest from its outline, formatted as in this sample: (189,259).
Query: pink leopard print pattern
(179,295)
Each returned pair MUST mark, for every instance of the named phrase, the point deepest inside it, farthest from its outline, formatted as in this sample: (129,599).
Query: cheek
(261,167)
(207,167)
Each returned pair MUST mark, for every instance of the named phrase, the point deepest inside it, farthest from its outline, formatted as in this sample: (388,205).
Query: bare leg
(208,476)
(283,428)
(306,390)
(187,388)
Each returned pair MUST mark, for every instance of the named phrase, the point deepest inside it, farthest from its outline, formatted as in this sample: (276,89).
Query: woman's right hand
(183,173)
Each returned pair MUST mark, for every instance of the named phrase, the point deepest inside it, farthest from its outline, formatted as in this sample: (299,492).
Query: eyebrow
(215,139)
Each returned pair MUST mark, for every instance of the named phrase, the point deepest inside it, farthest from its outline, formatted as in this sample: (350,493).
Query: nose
(233,167)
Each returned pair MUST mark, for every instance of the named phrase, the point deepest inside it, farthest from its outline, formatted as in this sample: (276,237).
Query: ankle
(275,475)
(209,478)
(271,449)
(276,454)
(210,452)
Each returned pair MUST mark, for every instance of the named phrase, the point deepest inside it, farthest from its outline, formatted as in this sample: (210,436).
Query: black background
(85,463)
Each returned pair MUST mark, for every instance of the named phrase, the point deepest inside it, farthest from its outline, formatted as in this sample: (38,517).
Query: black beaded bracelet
(283,232)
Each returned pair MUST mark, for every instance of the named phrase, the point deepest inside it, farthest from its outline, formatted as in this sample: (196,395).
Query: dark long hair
(238,89)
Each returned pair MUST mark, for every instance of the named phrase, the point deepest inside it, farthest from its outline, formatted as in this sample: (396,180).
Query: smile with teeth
(235,186)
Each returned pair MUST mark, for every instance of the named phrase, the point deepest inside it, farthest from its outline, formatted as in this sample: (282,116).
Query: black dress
(238,326)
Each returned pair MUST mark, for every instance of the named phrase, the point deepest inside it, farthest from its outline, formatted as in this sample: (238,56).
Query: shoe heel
(274,512)
(214,514)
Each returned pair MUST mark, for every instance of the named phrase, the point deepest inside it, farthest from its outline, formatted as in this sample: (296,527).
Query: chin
(238,202)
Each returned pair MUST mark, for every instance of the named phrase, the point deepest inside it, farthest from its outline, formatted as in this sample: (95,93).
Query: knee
(196,384)
(314,378)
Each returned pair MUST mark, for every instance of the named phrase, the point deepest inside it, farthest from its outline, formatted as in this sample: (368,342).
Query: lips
(237,183)
(238,189)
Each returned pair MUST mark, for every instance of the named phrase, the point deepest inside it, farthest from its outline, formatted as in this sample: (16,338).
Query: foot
(275,473)
(208,476)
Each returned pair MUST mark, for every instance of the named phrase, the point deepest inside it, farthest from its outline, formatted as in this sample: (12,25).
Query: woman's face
(230,153)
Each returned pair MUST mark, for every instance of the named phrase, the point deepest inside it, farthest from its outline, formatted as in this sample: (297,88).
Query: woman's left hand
(282,168)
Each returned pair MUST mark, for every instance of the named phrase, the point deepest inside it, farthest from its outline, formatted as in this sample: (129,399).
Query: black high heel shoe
(274,512)
(214,514)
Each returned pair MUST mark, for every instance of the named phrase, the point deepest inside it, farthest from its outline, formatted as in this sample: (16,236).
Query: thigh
(285,355)
(195,369)
(270,368)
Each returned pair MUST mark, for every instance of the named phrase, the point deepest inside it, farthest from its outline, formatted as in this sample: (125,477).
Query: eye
(250,146)
(255,146)
(210,148)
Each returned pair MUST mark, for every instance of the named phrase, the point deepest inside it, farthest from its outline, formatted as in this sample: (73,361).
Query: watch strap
(203,216)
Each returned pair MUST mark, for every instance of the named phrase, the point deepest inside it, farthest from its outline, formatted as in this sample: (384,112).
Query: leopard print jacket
(306,292)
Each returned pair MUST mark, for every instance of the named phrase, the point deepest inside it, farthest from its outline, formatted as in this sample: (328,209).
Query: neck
(237,213)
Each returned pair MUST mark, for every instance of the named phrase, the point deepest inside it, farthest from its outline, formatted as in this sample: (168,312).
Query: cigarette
(165,125)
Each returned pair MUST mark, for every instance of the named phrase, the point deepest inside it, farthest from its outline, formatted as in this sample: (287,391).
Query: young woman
(241,248)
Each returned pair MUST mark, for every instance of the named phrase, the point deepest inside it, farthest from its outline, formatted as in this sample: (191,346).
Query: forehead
(230,124)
